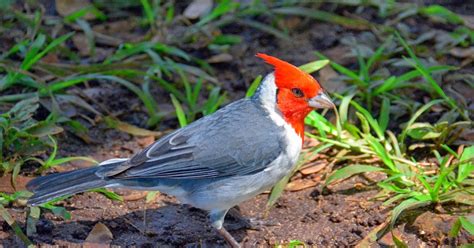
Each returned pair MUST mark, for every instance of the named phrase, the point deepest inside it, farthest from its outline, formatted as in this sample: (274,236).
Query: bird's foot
(248,223)
(252,224)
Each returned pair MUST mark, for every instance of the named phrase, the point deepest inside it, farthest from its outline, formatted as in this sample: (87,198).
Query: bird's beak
(321,101)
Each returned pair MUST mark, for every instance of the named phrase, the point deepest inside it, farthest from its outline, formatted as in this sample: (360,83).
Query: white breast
(267,97)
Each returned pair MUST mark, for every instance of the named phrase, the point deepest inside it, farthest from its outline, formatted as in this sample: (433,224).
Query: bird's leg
(217,220)
(248,223)
(228,237)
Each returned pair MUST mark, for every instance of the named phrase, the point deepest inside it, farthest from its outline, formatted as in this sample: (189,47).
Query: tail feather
(56,185)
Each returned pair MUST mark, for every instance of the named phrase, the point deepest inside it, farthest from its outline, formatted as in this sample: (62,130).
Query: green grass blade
(378,53)
(415,116)
(109,194)
(467,223)
(253,86)
(314,66)
(148,12)
(179,111)
(406,205)
(384,114)
(466,166)
(223,7)
(373,123)
(441,12)
(16,228)
(379,149)
(351,170)
(27,63)
(425,73)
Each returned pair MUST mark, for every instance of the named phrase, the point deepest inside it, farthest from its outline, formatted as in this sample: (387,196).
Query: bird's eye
(297,92)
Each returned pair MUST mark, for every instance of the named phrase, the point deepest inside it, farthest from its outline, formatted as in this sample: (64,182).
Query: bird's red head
(298,93)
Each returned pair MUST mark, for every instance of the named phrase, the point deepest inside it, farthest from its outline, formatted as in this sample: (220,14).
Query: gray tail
(56,185)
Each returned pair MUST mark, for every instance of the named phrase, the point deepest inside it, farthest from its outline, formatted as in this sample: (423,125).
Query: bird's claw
(252,224)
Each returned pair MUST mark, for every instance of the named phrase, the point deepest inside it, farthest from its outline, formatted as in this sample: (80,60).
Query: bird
(218,161)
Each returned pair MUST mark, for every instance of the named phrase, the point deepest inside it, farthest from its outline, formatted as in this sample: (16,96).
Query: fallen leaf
(315,168)
(387,239)
(81,43)
(67,7)
(129,128)
(146,141)
(131,195)
(300,184)
(50,58)
(100,234)
(220,58)
(462,52)
(198,8)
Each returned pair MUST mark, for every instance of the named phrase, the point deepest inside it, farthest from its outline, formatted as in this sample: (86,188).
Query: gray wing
(239,139)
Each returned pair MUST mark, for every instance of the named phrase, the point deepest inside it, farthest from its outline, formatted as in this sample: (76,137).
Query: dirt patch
(312,216)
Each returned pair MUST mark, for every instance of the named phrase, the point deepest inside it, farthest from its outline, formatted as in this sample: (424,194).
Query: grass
(378,118)
(409,184)
(23,137)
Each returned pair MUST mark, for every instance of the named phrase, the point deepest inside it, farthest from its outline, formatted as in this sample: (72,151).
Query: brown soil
(339,218)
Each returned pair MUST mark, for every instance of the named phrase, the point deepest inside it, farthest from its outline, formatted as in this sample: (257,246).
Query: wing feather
(212,147)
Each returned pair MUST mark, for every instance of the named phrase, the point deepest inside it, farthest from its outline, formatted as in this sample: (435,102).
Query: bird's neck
(295,117)
(291,114)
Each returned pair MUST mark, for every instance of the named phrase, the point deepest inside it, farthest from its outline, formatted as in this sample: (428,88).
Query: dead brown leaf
(220,58)
(387,239)
(115,27)
(100,236)
(81,43)
(300,184)
(131,195)
(146,141)
(50,58)
(314,168)
(462,52)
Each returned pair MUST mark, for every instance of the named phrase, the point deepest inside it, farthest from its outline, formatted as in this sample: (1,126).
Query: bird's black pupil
(297,92)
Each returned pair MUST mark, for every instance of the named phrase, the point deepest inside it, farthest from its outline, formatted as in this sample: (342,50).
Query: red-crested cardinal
(218,161)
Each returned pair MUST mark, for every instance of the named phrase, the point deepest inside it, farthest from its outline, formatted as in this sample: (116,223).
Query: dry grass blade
(16,228)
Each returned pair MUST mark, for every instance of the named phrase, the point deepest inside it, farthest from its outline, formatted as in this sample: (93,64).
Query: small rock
(198,8)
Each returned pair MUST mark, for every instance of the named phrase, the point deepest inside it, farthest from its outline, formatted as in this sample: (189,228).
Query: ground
(342,214)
